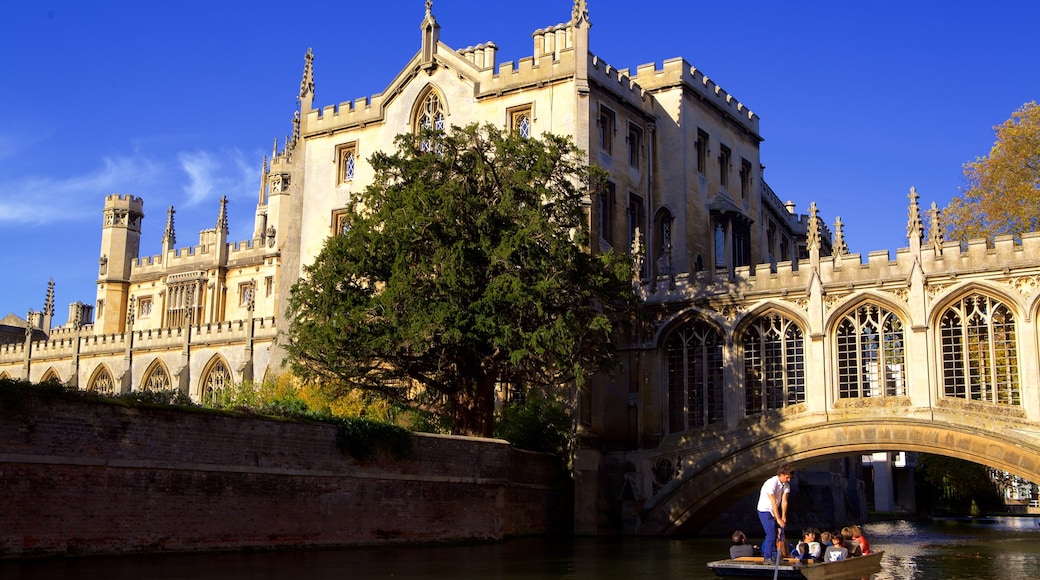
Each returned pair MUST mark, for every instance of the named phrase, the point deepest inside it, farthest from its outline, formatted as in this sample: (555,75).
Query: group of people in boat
(814,546)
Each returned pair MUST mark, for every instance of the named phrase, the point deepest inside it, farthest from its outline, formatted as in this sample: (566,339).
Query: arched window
(979,352)
(215,381)
(871,354)
(430,115)
(774,364)
(101,381)
(156,379)
(695,388)
(663,243)
(51,376)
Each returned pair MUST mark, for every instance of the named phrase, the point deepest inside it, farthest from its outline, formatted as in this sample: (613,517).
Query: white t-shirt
(772,486)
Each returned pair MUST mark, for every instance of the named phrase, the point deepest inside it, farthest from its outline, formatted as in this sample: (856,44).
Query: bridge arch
(710,484)
(855,301)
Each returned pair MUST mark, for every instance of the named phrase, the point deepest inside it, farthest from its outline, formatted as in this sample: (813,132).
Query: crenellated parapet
(617,81)
(481,56)
(677,72)
(1004,259)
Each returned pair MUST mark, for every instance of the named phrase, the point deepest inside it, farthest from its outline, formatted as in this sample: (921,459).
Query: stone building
(755,310)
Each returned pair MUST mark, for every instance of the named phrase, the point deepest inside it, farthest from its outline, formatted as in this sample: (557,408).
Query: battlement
(617,80)
(124,201)
(1007,258)
(676,71)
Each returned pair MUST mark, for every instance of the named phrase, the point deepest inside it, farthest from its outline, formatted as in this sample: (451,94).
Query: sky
(177,102)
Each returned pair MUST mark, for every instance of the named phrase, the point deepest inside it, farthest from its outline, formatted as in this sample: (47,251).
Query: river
(1003,548)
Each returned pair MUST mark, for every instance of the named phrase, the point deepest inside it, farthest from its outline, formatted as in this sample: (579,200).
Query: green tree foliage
(463,265)
(946,485)
(538,423)
(1003,192)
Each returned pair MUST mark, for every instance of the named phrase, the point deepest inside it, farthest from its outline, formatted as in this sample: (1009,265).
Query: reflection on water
(999,548)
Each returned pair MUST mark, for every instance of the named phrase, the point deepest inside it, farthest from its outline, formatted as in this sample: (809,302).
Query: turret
(120,244)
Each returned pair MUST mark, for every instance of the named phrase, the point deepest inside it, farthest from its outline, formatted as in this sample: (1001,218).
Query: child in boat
(813,547)
(740,548)
(837,550)
(801,552)
(853,546)
(859,538)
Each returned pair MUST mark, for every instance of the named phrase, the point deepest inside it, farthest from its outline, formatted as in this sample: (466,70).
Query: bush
(536,424)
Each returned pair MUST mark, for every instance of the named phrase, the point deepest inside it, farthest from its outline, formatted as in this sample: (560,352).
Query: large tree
(464,264)
(1003,192)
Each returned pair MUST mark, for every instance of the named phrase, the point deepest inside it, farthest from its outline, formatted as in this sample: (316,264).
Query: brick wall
(86,478)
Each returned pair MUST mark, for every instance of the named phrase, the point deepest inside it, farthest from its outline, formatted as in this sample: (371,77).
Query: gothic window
(702,151)
(871,354)
(268,285)
(520,121)
(347,159)
(183,304)
(246,292)
(695,387)
(156,378)
(724,161)
(101,382)
(215,381)
(635,145)
(745,179)
(607,199)
(606,129)
(979,351)
(663,242)
(636,219)
(144,307)
(430,116)
(51,376)
(339,222)
(774,364)
(720,245)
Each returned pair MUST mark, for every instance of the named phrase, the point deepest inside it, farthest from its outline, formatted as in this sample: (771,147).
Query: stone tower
(120,244)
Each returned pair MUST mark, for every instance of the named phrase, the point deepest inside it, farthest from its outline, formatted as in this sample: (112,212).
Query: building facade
(753,308)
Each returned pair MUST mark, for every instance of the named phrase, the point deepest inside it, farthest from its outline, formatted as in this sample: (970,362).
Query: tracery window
(774,364)
(429,116)
(695,386)
(520,121)
(183,304)
(871,354)
(102,382)
(347,159)
(157,379)
(216,381)
(979,351)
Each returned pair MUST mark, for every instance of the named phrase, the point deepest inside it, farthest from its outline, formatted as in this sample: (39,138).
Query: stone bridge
(715,469)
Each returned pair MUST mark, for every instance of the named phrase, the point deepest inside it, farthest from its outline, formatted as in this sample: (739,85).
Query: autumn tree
(1003,191)
(462,266)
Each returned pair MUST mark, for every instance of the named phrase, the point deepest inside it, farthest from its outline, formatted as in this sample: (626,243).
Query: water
(999,548)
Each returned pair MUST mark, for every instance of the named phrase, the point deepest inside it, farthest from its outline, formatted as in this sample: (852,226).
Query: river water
(998,548)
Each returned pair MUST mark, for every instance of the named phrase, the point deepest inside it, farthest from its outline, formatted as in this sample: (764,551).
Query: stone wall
(88,478)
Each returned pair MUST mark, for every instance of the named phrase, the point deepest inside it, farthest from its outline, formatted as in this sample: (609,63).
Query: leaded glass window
(979,351)
(102,382)
(871,354)
(774,364)
(158,379)
(216,381)
(695,386)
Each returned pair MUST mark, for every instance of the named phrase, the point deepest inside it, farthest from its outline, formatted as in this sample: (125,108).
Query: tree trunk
(473,407)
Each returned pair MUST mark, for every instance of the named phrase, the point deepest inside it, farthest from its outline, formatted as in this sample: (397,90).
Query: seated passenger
(850,543)
(740,548)
(837,550)
(857,535)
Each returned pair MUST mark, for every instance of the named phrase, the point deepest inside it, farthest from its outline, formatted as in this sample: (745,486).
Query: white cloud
(212,175)
(45,199)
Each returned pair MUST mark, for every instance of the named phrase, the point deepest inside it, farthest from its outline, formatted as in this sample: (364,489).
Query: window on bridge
(979,354)
(774,364)
(695,388)
(871,354)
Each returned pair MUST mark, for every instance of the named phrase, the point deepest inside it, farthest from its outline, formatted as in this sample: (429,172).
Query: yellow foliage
(1003,192)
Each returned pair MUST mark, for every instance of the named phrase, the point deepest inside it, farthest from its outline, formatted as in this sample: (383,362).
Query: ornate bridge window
(774,364)
(871,354)
(215,381)
(156,379)
(979,352)
(695,387)
(101,381)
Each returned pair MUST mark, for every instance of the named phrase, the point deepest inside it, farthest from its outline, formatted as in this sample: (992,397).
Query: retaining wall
(89,478)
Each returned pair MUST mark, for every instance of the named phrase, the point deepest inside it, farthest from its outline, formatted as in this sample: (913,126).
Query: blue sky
(178,102)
